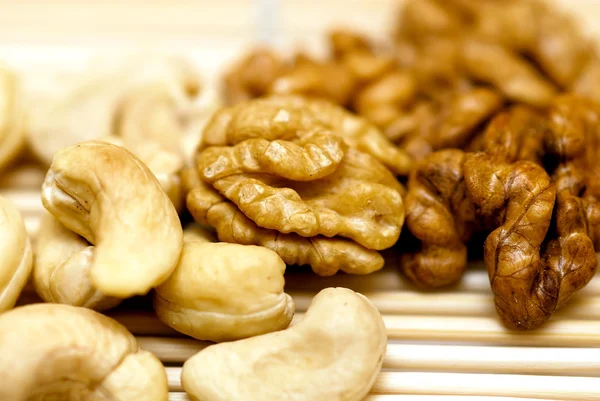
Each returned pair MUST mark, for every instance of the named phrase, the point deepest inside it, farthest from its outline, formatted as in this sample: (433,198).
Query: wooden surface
(444,346)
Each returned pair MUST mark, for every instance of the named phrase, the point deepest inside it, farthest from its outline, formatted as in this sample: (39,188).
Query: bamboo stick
(448,358)
(419,383)
(473,330)
(179,396)
(454,304)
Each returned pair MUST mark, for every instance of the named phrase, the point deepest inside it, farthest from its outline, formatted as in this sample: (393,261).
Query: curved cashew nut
(15,255)
(334,353)
(164,164)
(62,352)
(224,292)
(61,271)
(108,196)
(12,134)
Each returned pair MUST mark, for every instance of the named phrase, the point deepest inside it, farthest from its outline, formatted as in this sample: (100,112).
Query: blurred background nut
(224,292)
(51,351)
(147,97)
(16,259)
(62,266)
(251,76)
(335,352)
(105,194)
(12,134)
(528,50)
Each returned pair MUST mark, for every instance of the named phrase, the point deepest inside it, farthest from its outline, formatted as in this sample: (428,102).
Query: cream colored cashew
(164,164)
(334,354)
(99,101)
(15,255)
(108,196)
(12,134)
(223,292)
(61,270)
(62,352)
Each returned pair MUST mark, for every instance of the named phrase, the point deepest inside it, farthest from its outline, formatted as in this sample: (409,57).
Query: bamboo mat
(443,346)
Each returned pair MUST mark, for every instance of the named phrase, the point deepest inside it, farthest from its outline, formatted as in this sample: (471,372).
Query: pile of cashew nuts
(116,227)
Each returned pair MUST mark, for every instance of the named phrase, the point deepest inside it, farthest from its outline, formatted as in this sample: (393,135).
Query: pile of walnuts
(296,176)
(495,103)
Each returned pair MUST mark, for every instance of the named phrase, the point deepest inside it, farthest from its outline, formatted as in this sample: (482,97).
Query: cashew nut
(223,292)
(12,135)
(111,100)
(334,353)
(61,271)
(108,196)
(164,164)
(62,352)
(15,255)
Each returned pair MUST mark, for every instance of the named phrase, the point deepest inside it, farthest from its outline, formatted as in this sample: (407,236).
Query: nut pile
(280,176)
(477,118)
(496,103)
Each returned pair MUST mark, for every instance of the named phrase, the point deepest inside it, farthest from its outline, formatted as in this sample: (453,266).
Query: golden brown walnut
(520,197)
(588,82)
(225,292)
(343,42)
(574,141)
(108,196)
(441,210)
(367,66)
(12,131)
(380,101)
(535,266)
(16,259)
(560,48)
(497,33)
(62,266)
(360,200)
(439,213)
(334,353)
(508,72)
(511,24)
(458,119)
(424,18)
(251,76)
(286,118)
(61,352)
(515,134)
(325,255)
(328,80)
